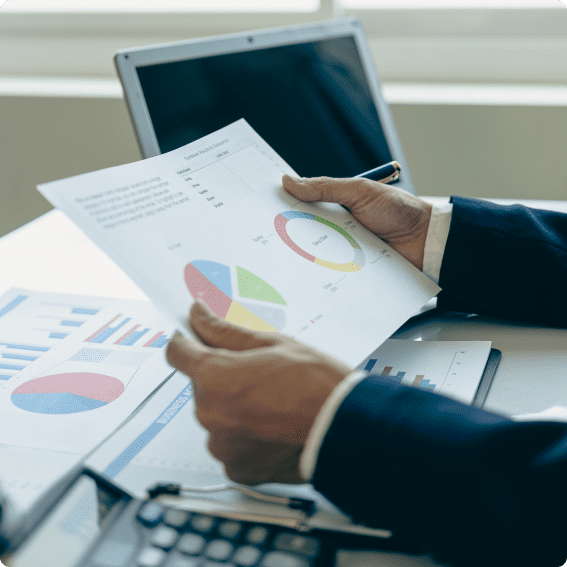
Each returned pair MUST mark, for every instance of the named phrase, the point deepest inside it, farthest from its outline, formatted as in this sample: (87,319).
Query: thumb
(216,332)
(346,191)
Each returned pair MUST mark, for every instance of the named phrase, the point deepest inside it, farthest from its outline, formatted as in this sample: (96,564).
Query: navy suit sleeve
(467,486)
(461,484)
(505,261)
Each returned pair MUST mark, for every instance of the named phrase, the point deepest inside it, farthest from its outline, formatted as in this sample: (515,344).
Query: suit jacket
(467,486)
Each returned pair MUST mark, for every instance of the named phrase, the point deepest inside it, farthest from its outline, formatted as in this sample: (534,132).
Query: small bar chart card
(212,221)
(73,368)
(450,368)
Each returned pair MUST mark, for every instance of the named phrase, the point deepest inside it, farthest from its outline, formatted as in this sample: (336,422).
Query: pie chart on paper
(69,392)
(358,261)
(251,303)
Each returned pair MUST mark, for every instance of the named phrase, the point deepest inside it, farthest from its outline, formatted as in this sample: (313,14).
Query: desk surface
(52,254)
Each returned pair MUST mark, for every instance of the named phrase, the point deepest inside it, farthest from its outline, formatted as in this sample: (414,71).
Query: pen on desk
(385,173)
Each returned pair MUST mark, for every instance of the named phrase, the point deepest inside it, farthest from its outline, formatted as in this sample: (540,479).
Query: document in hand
(211,220)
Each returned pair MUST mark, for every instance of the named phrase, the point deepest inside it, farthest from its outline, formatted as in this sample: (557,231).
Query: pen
(385,173)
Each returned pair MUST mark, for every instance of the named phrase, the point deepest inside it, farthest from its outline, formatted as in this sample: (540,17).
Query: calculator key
(304,545)
(176,518)
(176,560)
(151,513)
(151,557)
(246,556)
(164,537)
(258,535)
(219,549)
(282,559)
(191,544)
(203,524)
(230,529)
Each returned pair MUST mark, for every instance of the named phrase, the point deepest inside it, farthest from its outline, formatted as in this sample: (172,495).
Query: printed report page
(211,221)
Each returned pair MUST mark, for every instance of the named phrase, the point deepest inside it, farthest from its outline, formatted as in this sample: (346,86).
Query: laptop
(311,91)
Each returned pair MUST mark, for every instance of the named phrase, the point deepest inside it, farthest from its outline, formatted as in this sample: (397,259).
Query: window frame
(426,44)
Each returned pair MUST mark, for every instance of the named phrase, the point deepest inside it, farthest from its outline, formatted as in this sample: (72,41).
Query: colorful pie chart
(358,261)
(71,392)
(257,306)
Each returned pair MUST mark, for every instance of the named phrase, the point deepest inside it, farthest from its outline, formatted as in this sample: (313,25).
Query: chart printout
(450,368)
(211,220)
(73,368)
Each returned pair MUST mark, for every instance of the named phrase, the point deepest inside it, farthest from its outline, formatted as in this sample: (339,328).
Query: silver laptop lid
(311,91)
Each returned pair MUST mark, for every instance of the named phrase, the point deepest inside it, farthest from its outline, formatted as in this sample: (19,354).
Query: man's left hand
(256,393)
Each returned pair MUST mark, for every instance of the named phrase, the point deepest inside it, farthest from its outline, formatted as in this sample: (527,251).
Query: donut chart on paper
(212,282)
(70,392)
(356,264)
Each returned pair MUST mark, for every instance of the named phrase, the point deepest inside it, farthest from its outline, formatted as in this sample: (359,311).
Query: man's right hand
(397,217)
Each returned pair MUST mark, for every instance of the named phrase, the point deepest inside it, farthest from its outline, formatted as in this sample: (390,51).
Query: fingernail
(293,178)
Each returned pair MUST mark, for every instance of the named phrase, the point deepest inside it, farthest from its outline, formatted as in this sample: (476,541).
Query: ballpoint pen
(385,173)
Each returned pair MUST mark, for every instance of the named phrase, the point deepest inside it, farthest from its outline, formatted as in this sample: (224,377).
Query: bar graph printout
(450,368)
(211,220)
(73,368)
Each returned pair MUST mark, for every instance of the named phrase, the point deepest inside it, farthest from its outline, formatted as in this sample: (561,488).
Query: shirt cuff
(436,240)
(310,453)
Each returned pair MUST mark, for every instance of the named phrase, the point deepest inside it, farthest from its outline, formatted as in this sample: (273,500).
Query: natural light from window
(162,5)
(257,5)
(369,4)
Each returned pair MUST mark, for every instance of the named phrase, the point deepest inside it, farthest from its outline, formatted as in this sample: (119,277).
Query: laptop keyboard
(177,538)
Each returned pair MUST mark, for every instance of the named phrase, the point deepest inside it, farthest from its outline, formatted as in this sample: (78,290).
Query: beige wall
(477,151)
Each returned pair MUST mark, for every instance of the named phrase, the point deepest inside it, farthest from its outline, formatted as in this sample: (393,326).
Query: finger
(344,191)
(186,355)
(216,332)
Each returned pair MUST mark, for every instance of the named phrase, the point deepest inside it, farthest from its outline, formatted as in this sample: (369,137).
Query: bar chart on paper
(450,368)
(399,377)
(35,325)
(124,330)
(32,324)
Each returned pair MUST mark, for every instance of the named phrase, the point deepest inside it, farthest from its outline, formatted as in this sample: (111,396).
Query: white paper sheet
(73,368)
(27,474)
(211,220)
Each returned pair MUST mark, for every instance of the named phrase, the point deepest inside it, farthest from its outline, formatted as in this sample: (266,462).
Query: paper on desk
(73,368)
(555,413)
(27,474)
(450,368)
(211,220)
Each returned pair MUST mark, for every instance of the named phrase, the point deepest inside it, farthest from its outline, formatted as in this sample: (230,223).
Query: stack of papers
(72,370)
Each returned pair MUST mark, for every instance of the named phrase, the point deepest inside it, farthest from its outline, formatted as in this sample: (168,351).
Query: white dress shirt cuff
(436,240)
(310,453)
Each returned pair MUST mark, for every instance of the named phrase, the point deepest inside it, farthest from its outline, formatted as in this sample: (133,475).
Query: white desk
(52,254)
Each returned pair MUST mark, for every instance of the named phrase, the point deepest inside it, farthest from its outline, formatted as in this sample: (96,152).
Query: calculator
(94,523)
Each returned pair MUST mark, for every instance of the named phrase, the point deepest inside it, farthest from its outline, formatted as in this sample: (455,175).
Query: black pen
(385,173)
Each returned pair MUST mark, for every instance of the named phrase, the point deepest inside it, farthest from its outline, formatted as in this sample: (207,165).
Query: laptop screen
(310,101)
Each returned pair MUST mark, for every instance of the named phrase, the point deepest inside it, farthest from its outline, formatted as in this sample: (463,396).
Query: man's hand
(256,393)
(397,217)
